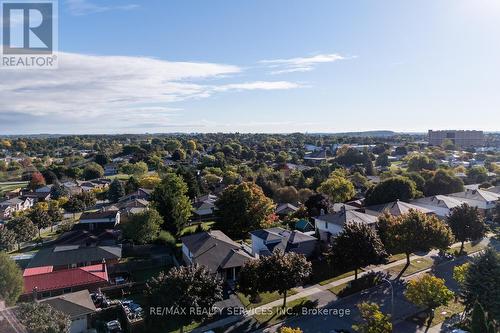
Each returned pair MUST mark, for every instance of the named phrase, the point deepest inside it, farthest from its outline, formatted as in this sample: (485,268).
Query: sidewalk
(315,289)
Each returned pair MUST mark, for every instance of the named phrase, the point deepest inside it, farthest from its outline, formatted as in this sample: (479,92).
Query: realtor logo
(29,34)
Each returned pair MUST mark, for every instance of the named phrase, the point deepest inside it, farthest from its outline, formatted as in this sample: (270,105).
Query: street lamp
(392,299)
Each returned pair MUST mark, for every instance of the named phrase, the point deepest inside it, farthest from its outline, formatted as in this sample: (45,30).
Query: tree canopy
(11,279)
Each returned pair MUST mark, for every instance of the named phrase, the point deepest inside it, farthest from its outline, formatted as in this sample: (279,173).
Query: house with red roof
(42,282)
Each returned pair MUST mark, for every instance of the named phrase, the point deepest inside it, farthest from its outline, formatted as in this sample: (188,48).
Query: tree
(170,199)
(419,162)
(143,227)
(115,191)
(11,279)
(287,194)
(192,290)
(428,292)
(443,182)
(482,283)
(357,246)
(477,174)
(58,191)
(93,171)
(466,224)
(373,320)
(7,239)
(88,198)
(55,212)
(43,318)
(460,274)
(150,182)
(412,232)
(133,185)
(74,205)
(37,181)
(40,218)
(478,319)
(337,188)
(23,228)
(249,280)
(242,208)
(284,271)
(391,189)
(383,160)
(102,159)
(316,204)
(285,329)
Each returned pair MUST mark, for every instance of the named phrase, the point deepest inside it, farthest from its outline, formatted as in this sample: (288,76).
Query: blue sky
(132,66)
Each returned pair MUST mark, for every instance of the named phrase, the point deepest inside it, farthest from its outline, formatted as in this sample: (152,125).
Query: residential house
(103,219)
(78,305)
(42,282)
(17,204)
(316,156)
(111,169)
(216,251)
(329,225)
(204,206)
(141,193)
(285,209)
(441,205)
(482,199)
(396,208)
(265,241)
(63,257)
(304,226)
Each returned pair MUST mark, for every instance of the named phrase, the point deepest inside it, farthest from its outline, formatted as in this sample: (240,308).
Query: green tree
(193,290)
(23,228)
(115,191)
(338,189)
(7,239)
(143,227)
(428,292)
(170,199)
(383,160)
(443,182)
(40,218)
(479,321)
(482,283)
(357,246)
(413,232)
(11,279)
(74,205)
(249,281)
(42,318)
(477,174)
(460,273)
(93,171)
(466,224)
(242,208)
(373,320)
(391,189)
(419,162)
(284,271)
(58,191)
(132,185)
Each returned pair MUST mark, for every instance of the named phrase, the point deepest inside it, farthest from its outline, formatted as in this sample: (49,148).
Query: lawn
(396,257)
(335,278)
(9,186)
(338,288)
(120,176)
(192,228)
(416,265)
(264,298)
(277,314)
(440,314)
(469,247)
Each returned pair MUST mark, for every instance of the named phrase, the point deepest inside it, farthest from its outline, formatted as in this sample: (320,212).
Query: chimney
(35,294)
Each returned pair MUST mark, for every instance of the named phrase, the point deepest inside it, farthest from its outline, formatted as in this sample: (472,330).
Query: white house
(329,225)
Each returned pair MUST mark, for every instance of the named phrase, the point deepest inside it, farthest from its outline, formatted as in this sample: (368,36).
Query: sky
(137,66)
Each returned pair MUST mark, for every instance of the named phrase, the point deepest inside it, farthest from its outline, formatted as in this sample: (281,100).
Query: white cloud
(115,88)
(84,7)
(300,64)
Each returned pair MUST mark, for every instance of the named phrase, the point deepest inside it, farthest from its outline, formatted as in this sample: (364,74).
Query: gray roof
(396,208)
(348,216)
(72,254)
(275,238)
(286,207)
(215,250)
(74,304)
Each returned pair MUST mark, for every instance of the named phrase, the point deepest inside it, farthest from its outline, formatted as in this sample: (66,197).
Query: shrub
(166,238)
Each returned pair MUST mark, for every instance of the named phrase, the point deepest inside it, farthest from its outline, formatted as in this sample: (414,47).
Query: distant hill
(380,134)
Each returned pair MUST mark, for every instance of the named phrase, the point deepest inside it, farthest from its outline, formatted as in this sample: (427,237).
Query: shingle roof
(343,217)
(72,254)
(281,238)
(75,304)
(107,214)
(215,250)
(396,208)
(285,206)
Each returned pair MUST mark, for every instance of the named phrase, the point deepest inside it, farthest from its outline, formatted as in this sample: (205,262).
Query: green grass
(335,278)
(120,176)
(339,288)
(9,186)
(273,315)
(416,265)
(265,298)
(192,228)
(396,257)
(469,247)
(440,314)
